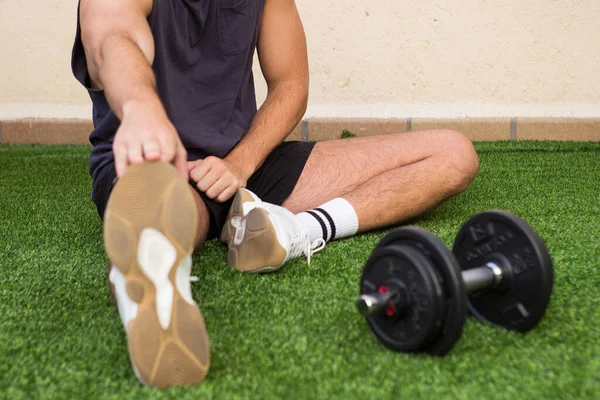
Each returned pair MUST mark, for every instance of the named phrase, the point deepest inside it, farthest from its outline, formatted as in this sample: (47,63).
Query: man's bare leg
(349,186)
(387,179)
(203,220)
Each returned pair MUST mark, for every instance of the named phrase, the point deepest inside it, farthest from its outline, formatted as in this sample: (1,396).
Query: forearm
(125,74)
(277,117)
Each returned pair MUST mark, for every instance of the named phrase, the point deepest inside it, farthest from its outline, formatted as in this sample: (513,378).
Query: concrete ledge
(581,130)
(296,133)
(332,128)
(77,131)
(46,131)
(476,129)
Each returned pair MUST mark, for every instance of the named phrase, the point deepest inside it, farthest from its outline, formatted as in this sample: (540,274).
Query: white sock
(333,220)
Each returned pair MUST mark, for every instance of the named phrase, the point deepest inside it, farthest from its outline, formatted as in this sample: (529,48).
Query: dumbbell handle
(482,277)
(488,275)
(369,304)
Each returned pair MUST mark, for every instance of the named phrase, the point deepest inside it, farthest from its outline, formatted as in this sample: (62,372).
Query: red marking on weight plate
(391,308)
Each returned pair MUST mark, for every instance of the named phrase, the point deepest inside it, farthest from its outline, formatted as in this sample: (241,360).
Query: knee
(459,159)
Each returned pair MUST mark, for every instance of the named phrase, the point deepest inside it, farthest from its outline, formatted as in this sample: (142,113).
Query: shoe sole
(153,195)
(236,210)
(254,247)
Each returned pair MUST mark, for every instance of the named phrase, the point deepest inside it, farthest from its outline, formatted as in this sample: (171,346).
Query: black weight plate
(522,298)
(420,320)
(448,273)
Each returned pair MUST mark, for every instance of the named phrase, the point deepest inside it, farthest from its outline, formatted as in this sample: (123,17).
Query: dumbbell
(415,292)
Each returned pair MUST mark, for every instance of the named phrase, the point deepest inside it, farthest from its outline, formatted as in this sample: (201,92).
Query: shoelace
(300,244)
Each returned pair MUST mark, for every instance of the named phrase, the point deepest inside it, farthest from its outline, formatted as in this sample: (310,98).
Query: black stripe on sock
(326,214)
(321,222)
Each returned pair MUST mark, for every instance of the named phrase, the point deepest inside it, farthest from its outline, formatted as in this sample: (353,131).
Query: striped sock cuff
(331,223)
(333,220)
(322,224)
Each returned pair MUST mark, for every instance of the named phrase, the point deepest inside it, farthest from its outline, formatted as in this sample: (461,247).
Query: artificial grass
(294,334)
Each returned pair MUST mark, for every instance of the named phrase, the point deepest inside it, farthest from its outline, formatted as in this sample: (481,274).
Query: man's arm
(284,63)
(119,49)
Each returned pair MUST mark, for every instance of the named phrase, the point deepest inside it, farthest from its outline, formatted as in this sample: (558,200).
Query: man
(182,155)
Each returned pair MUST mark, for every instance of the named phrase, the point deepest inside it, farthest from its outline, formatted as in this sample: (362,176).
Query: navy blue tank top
(203,65)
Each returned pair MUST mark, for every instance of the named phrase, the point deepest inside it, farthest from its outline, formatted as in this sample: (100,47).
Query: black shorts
(273,182)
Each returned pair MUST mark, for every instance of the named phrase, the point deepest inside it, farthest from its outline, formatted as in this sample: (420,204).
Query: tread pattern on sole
(153,195)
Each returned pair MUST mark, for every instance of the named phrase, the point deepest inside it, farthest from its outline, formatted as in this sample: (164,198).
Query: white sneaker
(149,229)
(267,237)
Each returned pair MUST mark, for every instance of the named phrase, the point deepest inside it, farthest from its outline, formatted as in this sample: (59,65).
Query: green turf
(294,334)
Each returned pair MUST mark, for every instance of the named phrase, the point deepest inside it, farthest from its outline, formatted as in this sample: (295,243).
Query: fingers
(169,148)
(126,154)
(120,155)
(214,178)
(227,194)
(134,153)
(218,187)
(172,151)
(192,164)
(152,151)
(131,149)
(205,175)
(223,189)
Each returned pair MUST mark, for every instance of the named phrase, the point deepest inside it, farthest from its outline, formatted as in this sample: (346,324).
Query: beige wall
(381,58)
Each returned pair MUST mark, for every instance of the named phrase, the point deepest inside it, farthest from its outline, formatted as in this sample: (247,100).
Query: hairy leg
(388,178)
(203,221)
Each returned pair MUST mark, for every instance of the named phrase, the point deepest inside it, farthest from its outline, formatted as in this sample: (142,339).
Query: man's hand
(218,178)
(147,134)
